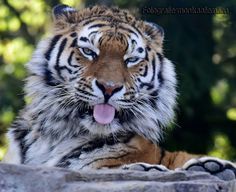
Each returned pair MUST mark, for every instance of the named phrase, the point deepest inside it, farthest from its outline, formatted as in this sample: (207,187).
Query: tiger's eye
(87,51)
(132,59)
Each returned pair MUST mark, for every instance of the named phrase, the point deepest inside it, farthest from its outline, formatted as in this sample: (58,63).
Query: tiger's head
(106,72)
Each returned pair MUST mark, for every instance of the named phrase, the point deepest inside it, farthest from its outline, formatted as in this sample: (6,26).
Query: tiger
(101,94)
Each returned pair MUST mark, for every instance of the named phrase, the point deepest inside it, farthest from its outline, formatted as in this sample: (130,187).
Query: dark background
(201,45)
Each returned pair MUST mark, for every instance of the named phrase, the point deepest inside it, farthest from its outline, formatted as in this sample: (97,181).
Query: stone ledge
(19,178)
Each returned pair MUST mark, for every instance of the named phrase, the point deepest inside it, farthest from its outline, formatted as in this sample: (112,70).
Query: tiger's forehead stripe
(128,30)
(107,21)
(100,25)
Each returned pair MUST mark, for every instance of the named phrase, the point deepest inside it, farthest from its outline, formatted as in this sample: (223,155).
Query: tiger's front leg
(222,169)
(165,161)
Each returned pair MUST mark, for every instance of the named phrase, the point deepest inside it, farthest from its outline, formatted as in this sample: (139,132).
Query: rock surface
(15,178)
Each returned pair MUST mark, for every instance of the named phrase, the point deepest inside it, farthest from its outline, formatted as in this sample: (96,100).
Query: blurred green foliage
(202,46)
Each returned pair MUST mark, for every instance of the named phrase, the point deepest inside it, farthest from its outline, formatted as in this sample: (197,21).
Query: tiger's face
(111,68)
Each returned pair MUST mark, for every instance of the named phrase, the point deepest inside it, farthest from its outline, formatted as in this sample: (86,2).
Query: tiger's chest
(78,153)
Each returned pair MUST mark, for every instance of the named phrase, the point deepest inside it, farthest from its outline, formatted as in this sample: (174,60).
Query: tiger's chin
(98,129)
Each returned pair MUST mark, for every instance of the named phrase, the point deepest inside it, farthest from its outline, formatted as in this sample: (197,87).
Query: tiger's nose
(108,88)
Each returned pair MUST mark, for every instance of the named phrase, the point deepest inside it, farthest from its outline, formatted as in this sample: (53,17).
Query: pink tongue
(103,113)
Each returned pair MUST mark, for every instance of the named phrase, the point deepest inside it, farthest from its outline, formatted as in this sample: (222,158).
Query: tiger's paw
(144,167)
(222,169)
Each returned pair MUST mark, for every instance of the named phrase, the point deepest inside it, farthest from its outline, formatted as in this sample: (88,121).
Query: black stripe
(125,116)
(54,41)
(90,21)
(96,18)
(159,75)
(49,79)
(70,59)
(61,49)
(145,71)
(97,25)
(87,86)
(137,30)
(73,34)
(153,99)
(64,162)
(160,56)
(128,30)
(92,33)
(84,92)
(105,18)
(84,39)
(19,135)
(83,80)
(102,38)
(75,72)
(133,41)
(123,40)
(153,68)
(73,78)
(148,85)
(146,55)
(81,111)
(74,43)
(127,46)
(65,68)
(82,96)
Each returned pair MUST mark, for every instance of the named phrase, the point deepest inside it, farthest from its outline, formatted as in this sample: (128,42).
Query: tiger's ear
(62,10)
(154,31)
(63,16)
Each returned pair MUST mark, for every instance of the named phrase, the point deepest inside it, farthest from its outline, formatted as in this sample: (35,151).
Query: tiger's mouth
(104,113)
